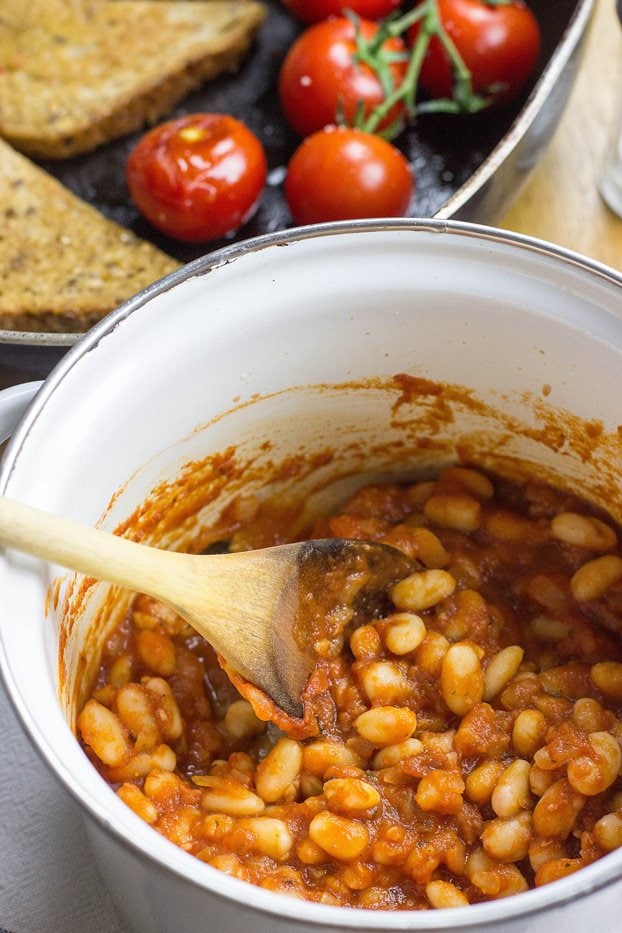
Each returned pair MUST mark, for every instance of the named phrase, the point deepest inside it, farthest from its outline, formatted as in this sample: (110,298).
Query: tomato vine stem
(463,100)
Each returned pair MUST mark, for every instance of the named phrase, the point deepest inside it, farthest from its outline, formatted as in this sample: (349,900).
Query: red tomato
(198,177)
(321,80)
(500,45)
(340,173)
(312,11)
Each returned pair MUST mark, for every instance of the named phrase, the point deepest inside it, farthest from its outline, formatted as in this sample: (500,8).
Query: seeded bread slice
(63,265)
(77,73)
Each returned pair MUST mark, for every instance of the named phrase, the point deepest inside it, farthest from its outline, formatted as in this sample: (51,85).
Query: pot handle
(13,403)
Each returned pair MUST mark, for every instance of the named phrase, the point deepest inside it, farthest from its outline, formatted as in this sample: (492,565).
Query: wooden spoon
(256,608)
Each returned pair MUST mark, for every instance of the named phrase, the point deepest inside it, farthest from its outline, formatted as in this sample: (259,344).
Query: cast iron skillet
(468,168)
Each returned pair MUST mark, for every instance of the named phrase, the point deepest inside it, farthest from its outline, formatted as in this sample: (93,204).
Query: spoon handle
(229,598)
(89,550)
(202,589)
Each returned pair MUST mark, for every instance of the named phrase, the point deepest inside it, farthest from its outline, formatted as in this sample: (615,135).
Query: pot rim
(132,832)
(535,102)
(233,251)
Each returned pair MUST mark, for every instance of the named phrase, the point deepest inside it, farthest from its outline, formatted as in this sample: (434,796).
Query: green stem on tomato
(371,53)
(406,91)
(463,100)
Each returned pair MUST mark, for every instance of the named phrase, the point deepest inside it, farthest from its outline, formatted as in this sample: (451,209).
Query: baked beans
(468,736)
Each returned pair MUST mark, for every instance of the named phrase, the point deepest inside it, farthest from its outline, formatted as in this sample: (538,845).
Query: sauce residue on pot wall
(584,443)
(420,424)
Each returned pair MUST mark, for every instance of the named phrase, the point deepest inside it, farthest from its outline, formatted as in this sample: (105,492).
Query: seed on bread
(63,265)
(77,73)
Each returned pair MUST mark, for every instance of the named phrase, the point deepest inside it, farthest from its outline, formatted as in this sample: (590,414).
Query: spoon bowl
(261,610)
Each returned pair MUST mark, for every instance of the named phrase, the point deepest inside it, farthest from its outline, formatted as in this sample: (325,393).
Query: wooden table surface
(560,200)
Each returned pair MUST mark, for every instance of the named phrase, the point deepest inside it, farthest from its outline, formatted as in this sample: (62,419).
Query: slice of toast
(63,265)
(78,73)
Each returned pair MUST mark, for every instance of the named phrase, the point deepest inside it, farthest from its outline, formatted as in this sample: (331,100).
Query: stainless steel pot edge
(536,103)
(482,916)
(227,254)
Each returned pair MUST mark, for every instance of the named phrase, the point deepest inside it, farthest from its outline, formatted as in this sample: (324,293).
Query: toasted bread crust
(75,74)
(63,265)
(96,70)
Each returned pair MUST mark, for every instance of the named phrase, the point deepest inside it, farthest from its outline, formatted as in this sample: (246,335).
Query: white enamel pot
(292,342)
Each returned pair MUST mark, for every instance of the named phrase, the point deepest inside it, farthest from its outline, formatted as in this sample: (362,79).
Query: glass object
(610,184)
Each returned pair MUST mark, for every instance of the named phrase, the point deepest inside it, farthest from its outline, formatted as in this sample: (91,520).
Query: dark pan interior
(443,150)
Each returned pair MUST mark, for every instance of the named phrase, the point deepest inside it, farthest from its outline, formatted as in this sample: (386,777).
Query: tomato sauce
(462,742)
